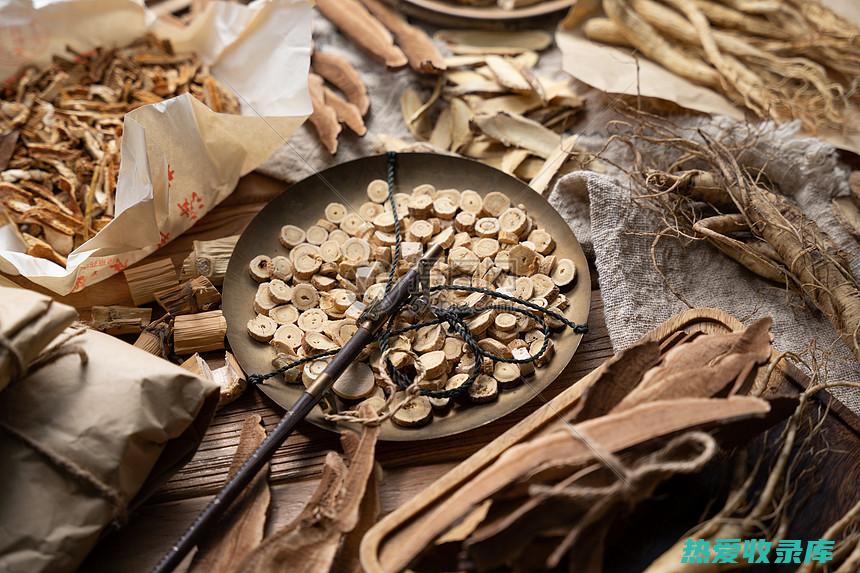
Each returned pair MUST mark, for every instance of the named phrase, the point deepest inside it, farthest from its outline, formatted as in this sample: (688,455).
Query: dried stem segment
(154,338)
(192,296)
(209,259)
(199,332)
(119,320)
(242,529)
(361,27)
(147,279)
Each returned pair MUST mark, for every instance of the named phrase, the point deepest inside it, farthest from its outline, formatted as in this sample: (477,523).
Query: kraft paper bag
(83,438)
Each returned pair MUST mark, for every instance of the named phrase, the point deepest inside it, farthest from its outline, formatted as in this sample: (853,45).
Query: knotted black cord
(455,316)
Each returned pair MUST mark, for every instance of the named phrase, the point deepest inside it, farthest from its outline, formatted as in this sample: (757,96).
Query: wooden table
(409,467)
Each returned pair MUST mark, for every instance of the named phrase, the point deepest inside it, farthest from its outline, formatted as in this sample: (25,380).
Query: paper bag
(79,440)
(28,322)
(178,159)
(619,71)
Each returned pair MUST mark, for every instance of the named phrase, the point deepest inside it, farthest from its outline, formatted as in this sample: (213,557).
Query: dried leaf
(494,42)
(241,530)
(516,130)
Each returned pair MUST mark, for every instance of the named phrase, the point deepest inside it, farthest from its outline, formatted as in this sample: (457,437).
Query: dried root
(793,60)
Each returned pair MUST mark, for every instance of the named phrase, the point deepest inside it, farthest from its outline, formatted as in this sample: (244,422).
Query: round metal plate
(491,13)
(303,203)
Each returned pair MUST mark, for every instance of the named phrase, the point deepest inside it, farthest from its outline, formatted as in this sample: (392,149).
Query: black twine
(454,316)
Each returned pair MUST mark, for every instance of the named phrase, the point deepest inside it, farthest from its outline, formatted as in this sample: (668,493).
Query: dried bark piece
(243,528)
(346,112)
(420,50)
(337,71)
(324,117)
(564,273)
(147,279)
(356,23)
(356,383)
(518,131)
(494,42)
(199,332)
(414,413)
(614,432)
(119,320)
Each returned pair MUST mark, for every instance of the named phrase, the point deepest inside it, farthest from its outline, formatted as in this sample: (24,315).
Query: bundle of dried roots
(710,194)
(648,415)
(61,130)
(791,59)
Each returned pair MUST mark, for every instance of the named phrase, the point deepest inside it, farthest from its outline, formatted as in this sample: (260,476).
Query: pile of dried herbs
(61,130)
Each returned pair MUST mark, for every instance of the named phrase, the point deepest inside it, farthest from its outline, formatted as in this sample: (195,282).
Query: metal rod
(398,294)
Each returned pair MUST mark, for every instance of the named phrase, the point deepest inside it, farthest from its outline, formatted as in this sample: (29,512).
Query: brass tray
(304,202)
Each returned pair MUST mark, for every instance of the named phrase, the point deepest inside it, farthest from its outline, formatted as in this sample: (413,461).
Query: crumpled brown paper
(28,322)
(82,441)
(618,71)
(179,158)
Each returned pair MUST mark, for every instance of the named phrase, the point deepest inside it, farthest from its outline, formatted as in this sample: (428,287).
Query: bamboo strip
(145,280)
(199,332)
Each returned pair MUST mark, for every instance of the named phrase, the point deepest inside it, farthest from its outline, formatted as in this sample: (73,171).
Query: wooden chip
(356,23)
(347,112)
(291,236)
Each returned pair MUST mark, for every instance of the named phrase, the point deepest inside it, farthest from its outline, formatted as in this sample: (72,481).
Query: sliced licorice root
(284,314)
(377,191)
(261,268)
(291,236)
(417,411)
(262,328)
(484,389)
(564,273)
(356,383)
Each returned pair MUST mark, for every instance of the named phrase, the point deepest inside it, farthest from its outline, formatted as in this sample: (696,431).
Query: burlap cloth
(617,233)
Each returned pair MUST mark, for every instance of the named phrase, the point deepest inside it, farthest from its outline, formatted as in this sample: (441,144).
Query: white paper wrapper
(616,70)
(179,158)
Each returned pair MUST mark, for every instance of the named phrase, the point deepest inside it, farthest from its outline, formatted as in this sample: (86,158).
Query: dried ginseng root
(59,183)
(311,295)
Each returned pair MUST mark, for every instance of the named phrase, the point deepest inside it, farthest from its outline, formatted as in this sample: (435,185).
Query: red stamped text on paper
(191,206)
